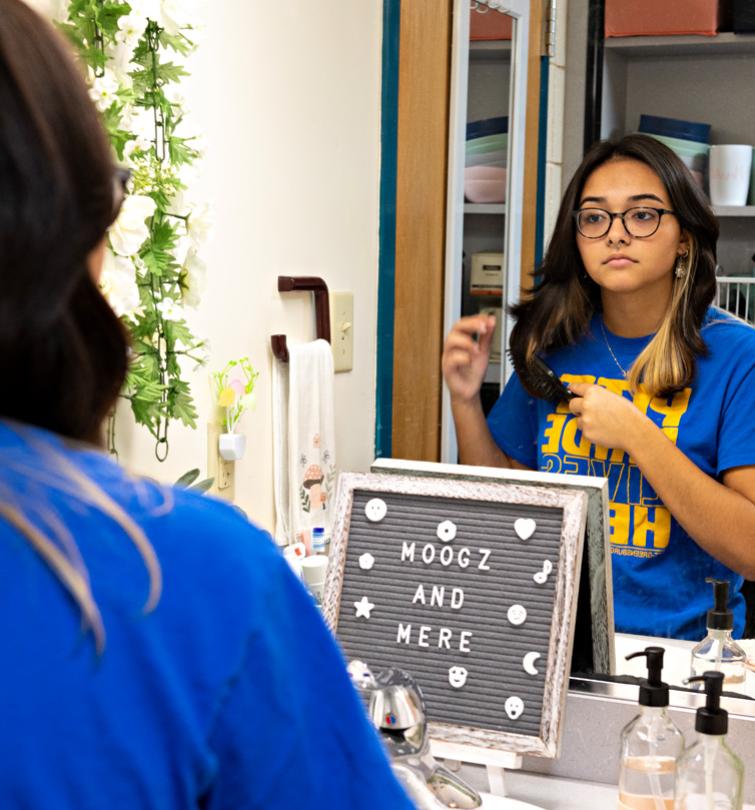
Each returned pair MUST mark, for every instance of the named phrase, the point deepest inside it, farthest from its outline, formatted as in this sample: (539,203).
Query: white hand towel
(304,442)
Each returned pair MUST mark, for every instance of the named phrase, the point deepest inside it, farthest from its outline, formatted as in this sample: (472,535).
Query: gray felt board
(593,649)
(476,635)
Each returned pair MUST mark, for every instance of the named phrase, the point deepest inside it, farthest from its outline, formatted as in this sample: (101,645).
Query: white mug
(729,173)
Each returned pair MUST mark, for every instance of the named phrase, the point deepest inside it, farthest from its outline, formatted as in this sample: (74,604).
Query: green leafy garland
(133,52)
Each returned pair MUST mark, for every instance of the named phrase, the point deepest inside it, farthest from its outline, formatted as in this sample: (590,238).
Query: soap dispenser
(650,744)
(718,651)
(709,774)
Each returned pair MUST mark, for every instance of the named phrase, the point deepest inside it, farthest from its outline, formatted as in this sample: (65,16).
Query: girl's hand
(465,359)
(606,418)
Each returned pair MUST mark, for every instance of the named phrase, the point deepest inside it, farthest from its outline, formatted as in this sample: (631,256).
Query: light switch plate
(342,330)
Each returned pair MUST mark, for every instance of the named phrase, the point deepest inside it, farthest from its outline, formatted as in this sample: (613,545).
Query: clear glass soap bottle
(650,745)
(718,651)
(709,773)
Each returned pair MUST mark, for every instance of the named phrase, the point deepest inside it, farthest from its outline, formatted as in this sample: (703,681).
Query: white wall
(288,96)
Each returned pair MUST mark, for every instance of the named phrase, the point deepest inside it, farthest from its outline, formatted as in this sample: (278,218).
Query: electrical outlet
(342,330)
(221,471)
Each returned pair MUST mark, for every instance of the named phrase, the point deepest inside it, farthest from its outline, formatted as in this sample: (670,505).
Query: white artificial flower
(103,90)
(194,279)
(200,225)
(51,9)
(118,284)
(174,93)
(139,144)
(143,10)
(131,28)
(169,309)
(130,230)
(177,14)
(181,250)
(140,121)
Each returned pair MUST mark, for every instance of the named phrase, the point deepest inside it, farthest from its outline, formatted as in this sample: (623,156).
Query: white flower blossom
(143,10)
(130,230)
(177,13)
(200,225)
(118,284)
(103,90)
(51,9)
(194,279)
(131,28)
(169,309)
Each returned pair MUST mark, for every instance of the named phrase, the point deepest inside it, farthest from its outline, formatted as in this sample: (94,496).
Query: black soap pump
(718,651)
(709,773)
(650,744)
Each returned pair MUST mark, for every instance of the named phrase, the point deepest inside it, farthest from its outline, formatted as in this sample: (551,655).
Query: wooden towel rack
(319,288)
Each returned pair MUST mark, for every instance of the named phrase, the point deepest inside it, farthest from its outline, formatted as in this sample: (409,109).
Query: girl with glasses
(658,385)
(157,650)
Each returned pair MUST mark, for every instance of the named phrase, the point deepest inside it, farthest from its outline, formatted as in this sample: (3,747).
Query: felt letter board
(472,588)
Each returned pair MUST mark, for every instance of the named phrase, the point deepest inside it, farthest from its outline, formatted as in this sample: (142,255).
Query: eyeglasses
(639,222)
(121,179)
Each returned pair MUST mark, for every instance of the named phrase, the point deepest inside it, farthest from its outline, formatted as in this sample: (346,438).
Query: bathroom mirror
(462,225)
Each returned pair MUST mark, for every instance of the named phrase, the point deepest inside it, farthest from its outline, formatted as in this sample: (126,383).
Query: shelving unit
(694,78)
(485,208)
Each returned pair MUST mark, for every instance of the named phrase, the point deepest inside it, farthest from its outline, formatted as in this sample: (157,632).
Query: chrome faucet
(397,709)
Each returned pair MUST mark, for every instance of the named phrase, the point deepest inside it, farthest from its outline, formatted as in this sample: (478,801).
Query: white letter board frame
(430,501)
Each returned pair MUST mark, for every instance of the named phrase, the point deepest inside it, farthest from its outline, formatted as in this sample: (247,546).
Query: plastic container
(319,540)
(693,155)
(675,128)
(652,18)
(485,184)
(709,774)
(650,744)
(718,651)
(487,126)
(498,158)
(488,143)
(487,24)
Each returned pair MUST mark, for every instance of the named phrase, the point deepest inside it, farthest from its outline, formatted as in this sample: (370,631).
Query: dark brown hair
(565,298)
(63,352)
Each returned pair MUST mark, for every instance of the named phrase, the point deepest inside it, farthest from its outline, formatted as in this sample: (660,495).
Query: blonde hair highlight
(666,363)
(73,577)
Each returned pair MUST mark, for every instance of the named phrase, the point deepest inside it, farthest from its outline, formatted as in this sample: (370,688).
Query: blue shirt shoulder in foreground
(230,695)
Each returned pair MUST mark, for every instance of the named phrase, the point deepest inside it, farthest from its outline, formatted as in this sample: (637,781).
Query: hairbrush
(539,379)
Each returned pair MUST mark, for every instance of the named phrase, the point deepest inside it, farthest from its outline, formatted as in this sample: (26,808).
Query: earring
(682,267)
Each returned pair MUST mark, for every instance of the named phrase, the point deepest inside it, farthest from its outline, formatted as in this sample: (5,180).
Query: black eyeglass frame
(621,215)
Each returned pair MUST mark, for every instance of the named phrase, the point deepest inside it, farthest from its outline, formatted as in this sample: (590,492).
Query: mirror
(473,231)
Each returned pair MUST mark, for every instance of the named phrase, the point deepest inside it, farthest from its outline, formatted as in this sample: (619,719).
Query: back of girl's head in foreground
(565,298)
(63,352)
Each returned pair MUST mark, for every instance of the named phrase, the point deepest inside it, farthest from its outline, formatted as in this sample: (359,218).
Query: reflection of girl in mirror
(218,685)
(664,385)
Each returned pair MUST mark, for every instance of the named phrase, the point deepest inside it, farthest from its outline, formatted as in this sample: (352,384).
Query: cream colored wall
(288,96)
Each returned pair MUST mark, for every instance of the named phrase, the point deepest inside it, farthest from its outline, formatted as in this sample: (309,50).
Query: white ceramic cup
(313,570)
(729,173)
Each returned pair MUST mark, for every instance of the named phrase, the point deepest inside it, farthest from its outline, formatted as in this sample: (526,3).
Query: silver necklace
(608,346)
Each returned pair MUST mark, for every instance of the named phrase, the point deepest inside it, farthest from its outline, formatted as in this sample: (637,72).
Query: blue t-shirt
(659,572)
(230,695)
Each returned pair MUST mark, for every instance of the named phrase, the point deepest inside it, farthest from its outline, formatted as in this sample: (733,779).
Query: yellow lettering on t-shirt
(569,440)
(552,432)
(618,517)
(657,524)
